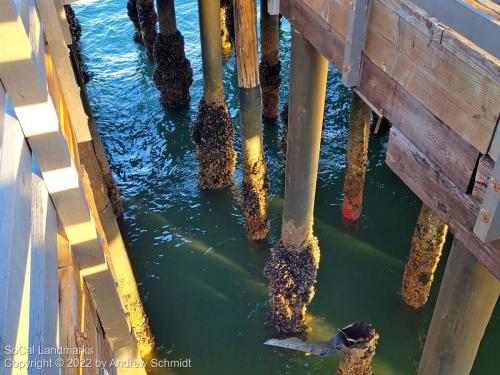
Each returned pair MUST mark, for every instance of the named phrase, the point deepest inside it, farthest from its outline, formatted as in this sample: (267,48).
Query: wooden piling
(362,341)
(173,75)
(270,65)
(426,245)
(255,183)
(226,25)
(464,306)
(293,264)
(147,19)
(134,17)
(213,129)
(357,155)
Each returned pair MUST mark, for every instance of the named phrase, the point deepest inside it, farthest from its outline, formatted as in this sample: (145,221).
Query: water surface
(200,279)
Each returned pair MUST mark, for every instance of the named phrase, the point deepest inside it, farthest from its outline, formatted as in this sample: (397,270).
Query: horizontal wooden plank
(63,22)
(442,145)
(445,84)
(454,207)
(467,19)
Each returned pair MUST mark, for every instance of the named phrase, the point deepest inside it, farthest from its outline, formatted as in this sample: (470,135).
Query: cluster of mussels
(173,74)
(212,133)
(292,276)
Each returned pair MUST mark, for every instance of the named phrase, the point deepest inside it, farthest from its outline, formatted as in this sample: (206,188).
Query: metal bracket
(487,226)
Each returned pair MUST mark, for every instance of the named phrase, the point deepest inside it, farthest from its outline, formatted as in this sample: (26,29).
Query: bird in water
(347,337)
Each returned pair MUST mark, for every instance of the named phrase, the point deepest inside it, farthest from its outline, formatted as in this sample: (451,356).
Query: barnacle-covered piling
(134,17)
(293,264)
(255,183)
(426,246)
(147,20)
(226,25)
(173,74)
(357,155)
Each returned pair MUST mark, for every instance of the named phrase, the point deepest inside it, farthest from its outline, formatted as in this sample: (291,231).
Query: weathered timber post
(357,154)
(270,65)
(255,183)
(284,130)
(147,20)
(464,306)
(293,264)
(226,25)
(173,75)
(356,359)
(134,17)
(425,251)
(213,129)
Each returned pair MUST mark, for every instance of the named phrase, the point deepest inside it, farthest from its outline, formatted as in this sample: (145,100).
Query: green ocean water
(200,279)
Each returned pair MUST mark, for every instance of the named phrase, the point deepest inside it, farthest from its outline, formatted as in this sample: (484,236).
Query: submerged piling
(147,22)
(357,155)
(173,75)
(425,251)
(465,302)
(255,182)
(226,25)
(270,65)
(356,358)
(294,261)
(134,17)
(213,129)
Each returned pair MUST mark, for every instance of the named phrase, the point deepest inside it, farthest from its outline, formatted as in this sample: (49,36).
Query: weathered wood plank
(450,76)
(446,85)
(43,307)
(454,207)
(60,56)
(484,168)
(441,144)
(53,155)
(63,22)
(15,226)
(487,226)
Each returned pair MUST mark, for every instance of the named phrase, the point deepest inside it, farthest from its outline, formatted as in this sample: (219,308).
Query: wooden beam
(60,55)
(40,124)
(454,156)
(487,226)
(483,172)
(354,41)
(44,312)
(15,227)
(436,190)
(467,19)
(63,22)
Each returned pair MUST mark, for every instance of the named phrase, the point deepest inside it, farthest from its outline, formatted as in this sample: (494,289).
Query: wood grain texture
(245,25)
(483,173)
(437,191)
(454,79)
(15,228)
(438,142)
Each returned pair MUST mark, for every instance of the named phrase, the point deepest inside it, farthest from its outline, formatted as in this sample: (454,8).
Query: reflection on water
(200,279)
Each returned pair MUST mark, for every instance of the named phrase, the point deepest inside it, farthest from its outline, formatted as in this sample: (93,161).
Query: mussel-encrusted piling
(226,25)
(147,19)
(425,251)
(270,65)
(134,17)
(255,182)
(357,155)
(173,74)
(294,261)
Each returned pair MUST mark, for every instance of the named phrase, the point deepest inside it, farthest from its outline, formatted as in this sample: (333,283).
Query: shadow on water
(200,279)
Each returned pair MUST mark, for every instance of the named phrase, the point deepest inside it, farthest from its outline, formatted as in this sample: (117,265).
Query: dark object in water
(347,337)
